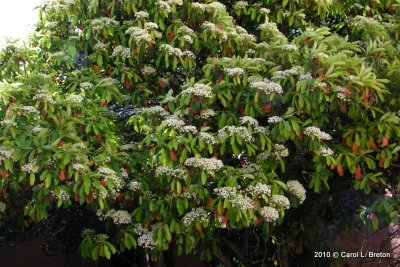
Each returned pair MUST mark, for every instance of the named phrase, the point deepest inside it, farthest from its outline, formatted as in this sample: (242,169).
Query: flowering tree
(180,123)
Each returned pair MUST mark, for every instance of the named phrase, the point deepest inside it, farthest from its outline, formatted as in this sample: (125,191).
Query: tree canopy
(185,124)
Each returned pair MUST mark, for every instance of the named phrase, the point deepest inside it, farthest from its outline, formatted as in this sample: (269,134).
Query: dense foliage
(181,123)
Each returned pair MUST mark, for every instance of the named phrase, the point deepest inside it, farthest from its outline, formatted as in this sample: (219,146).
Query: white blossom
(324,151)
(75,98)
(242,202)
(172,51)
(207,138)
(260,189)
(241,131)
(119,216)
(174,122)
(267,87)
(241,5)
(121,51)
(249,120)
(297,189)
(196,214)
(226,192)
(134,185)
(234,71)
(86,85)
(163,170)
(270,214)
(316,132)
(146,240)
(148,70)
(281,151)
(274,119)
(205,164)
(150,26)
(139,34)
(198,89)
(30,167)
(207,113)
(141,15)
(280,201)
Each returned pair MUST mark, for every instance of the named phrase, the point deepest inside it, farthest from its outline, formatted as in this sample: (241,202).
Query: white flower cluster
(290,47)
(146,240)
(226,192)
(99,23)
(174,122)
(134,186)
(172,51)
(30,167)
(148,70)
(45,96)
(249,120)
(163,5)
(241,131)
(242,202)
(8,123)
(121,51)
(341,93)
(196,214)
(78,166)
(280,201)
(188,39)
(269,214)
(75,98)
(198,89)
(274,119)
(213,28)
(324,151)
(316,132)
(110,174)
(2,207)
(185,30)
(29,109)
(296,70)
(163,171)
(207,138)
(264,11)
(234,71)
(261,129)
(141,15)
(207,113)
(297,189)
(189,54)
(6,152)
(86,85)
(205,164)
(119,216)
(37,129)
(267,87)
(156,110)
(281,151)
(150,26)
(63,195)
(139,34)
(305,77)
(241,5)
(100,46)
(188,129)
(260,189)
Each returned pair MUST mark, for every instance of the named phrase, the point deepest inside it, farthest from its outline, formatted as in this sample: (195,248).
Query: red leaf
(372,145)
(171,35)
(76,197)
(172,155)
(339,170)
(381,162)
(62,175)
(385,141)
(358,173)
(354,147)
(267,107)
(4,174)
